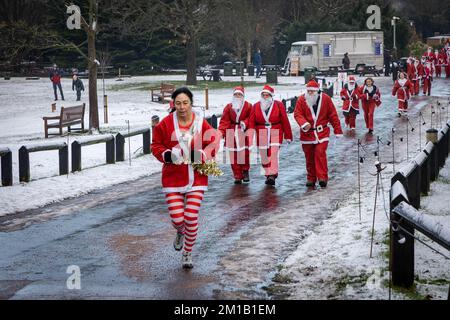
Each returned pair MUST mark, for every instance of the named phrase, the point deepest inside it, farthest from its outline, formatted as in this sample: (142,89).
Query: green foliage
(417,48)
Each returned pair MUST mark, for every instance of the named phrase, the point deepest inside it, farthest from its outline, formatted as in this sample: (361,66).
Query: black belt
(318,129)
(271,124)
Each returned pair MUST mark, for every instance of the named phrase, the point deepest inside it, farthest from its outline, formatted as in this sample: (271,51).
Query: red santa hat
(239,90)
(312,86)
(268,89)
(351,79)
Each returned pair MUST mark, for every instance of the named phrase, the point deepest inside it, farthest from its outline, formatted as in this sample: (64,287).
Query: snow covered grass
(333,261)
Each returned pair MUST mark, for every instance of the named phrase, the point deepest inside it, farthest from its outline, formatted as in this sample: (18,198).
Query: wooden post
(24,165)
(425,177)
(432,136)
(207,97)
(146,142)
(105,111)
(76,156)
(110,152)
(401,248)
(53,107)
(120,148)
(6,164)
(63,160)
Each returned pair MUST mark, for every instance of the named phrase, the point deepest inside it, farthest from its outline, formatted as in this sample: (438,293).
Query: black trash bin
(239,65)
(251,70)
(216,75)
(228,69)
(272,76)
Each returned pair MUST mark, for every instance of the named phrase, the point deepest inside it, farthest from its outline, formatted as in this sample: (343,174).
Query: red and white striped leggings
(183,210)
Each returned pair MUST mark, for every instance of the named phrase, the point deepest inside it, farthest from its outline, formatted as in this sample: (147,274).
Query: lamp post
(393,22)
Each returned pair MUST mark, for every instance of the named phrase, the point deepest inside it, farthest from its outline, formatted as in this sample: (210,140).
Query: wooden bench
(68,117)
(165,91)
(370,70)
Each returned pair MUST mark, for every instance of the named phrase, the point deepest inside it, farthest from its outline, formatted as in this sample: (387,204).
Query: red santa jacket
(56,78)
(350,98)
(420,71)
(275,125)
(167,135)
(427,73)
(403,92)
(369,98)
(326,113)
(230,128)
(442,57)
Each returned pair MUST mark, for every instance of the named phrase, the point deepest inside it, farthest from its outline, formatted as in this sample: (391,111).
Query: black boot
(323,183)
(270,180)
(246,177)
(237,181)
(310,184)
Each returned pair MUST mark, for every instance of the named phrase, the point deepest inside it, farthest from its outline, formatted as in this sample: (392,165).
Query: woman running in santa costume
(371,98)
(350,106)
(403,88)
(271,125)
(314,111)
(182,138)
(232,128)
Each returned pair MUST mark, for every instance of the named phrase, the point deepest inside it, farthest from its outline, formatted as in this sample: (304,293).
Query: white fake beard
(402,82)
(237,104)
(266,103)
(351,87)
(311,99)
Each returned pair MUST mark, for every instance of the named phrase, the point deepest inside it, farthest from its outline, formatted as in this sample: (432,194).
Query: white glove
(177,155)
(375,96)
(242,125)
(306,127)
(288,141)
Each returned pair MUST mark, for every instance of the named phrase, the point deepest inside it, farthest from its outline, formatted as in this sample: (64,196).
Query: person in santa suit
(415,76)
(270,123)
(427,78)
(371,98)
(350,106)
(232,128)
(437,63)
(402,90)
(313,112)
(180,139)
(446,54)
(429,55)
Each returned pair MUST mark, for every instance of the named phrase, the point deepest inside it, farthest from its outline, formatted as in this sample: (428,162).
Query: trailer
(324,51)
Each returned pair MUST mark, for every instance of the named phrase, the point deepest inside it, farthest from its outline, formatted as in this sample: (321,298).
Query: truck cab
(306,52)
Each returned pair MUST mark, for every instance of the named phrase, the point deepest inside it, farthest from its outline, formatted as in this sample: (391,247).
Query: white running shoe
(178,242)
(186,260)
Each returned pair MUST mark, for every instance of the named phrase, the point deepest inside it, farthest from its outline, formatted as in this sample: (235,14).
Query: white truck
(325,51)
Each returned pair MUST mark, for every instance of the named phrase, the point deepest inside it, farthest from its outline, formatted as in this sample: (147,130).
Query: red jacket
(403,93)
(274,125)
(369,98)
(230,128)
(427,73)
(350,98)
(326,113)
(56,78)
(166,135)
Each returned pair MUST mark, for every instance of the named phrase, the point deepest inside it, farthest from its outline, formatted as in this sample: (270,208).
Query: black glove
(168,157)
(196,156)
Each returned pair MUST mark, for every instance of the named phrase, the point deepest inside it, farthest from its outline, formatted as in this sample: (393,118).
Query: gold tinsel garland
(208,168)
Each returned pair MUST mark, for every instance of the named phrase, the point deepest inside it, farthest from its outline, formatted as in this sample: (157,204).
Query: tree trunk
(191,60)
(93,100)
(249,53)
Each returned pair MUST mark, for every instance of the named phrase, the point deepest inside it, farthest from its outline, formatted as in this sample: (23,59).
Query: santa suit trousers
(369,110)
(350,118)
(416,87)
(316,161)
(240,162)
(269,160)
(438,71)
(402,105)
(427,86)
